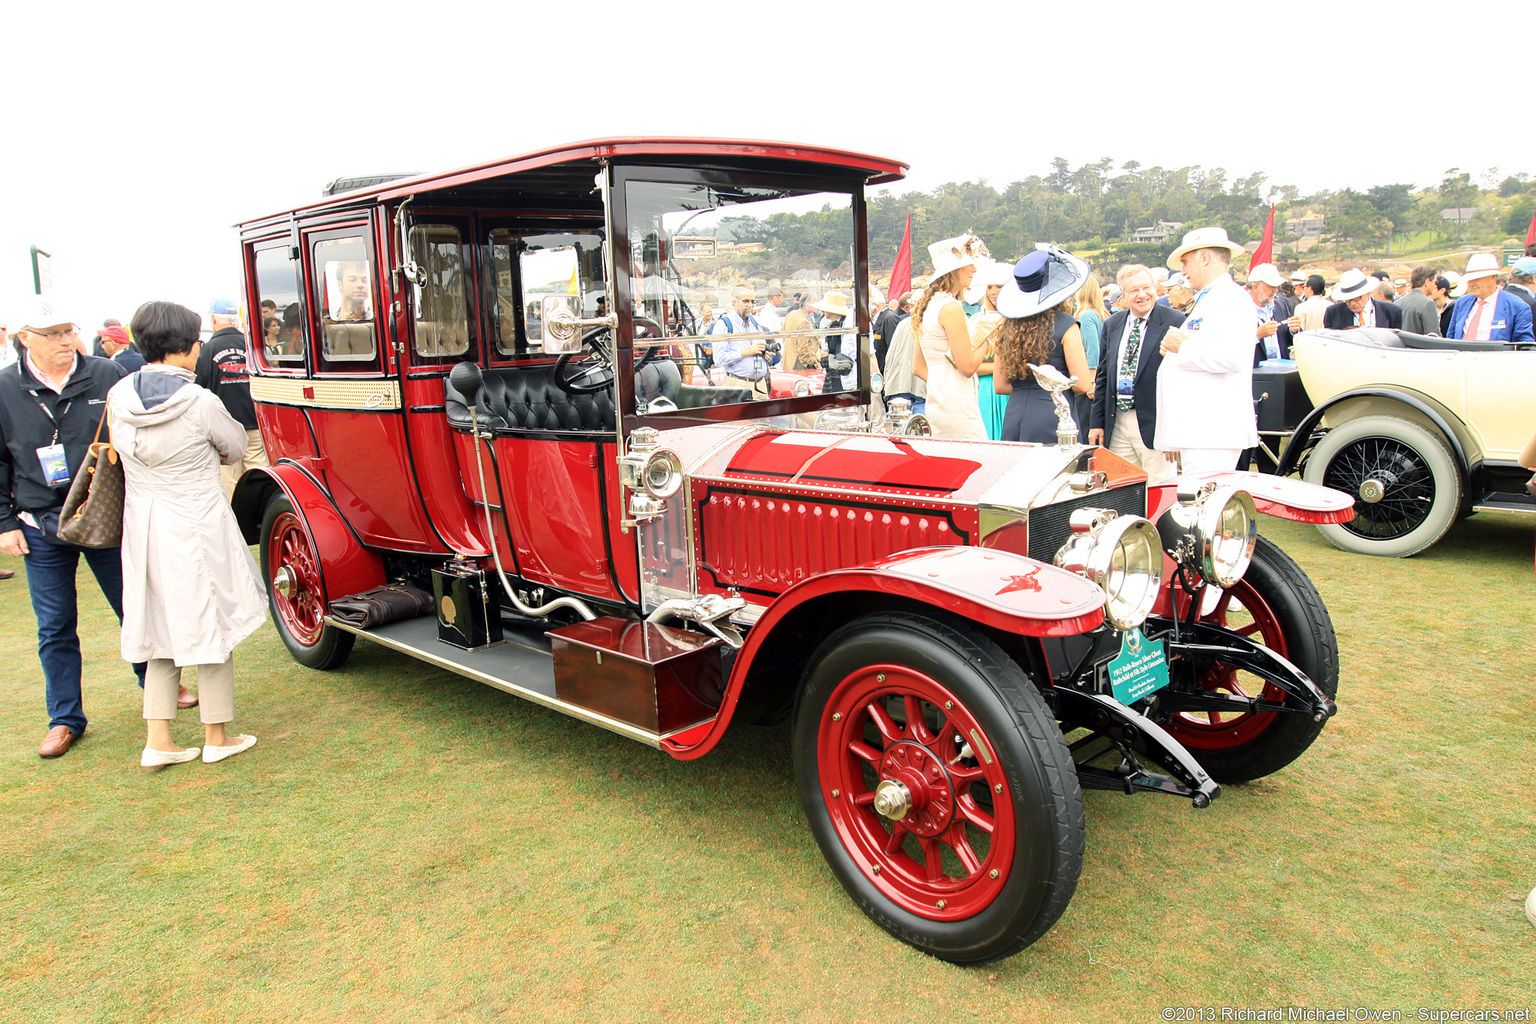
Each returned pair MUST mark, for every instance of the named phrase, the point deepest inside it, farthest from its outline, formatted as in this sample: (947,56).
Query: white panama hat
(1202,238)
(1353,284)
(1042,280)
(953,253)
(1480,264)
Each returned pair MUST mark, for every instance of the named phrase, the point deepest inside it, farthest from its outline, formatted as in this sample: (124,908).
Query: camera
(771,347)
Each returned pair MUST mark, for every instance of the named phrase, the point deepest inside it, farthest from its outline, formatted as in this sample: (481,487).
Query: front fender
(999,589)
(1290,460)
(1285,498)
(347,567)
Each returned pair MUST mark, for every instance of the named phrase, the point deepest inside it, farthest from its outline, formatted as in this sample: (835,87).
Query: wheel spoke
(884,723)
(973,813)
(866,753)
(895,841)
(963,773)
(917,728)
(933,860)
(945,740)
(961,844)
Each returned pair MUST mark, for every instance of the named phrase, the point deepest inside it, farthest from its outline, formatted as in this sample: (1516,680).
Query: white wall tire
(1406,468)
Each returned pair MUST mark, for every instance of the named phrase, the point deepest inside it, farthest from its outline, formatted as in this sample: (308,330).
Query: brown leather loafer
(57,742)
(6,574)
(185,698)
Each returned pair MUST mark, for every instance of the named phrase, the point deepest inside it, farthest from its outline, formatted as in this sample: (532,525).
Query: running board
(1498,501)
(523,666)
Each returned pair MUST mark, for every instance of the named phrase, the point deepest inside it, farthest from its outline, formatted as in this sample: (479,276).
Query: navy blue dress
(1031,414)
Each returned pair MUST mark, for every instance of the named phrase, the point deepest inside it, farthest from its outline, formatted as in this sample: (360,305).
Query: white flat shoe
(212,753)
(161,758)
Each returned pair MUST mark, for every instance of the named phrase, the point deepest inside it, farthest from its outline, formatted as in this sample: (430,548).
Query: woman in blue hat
(1039,329)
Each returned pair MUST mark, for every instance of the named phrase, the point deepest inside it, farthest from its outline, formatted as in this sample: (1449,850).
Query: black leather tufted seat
(516,398)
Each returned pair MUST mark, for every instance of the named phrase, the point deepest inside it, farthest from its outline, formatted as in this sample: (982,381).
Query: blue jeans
(51,566)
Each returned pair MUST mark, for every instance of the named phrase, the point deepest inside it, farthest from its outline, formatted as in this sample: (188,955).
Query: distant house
(1160,232)
(1308,222)
(1458,214)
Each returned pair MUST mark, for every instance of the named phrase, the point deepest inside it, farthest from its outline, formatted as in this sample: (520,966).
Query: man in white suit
(1205,386)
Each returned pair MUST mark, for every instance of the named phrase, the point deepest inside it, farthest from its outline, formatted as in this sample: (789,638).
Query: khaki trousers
(1126,442)
(761,386)
(215,691)
(255,455)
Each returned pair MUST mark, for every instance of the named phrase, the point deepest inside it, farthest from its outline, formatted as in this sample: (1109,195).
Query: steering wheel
(593,371)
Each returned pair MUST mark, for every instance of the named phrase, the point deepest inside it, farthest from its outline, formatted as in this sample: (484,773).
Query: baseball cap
(223,307)
(115,334)
(1524,265)
(47,311)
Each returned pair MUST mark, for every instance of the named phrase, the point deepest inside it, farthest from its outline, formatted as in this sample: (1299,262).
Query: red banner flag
(1265,253)
(1530,233)
(901,273)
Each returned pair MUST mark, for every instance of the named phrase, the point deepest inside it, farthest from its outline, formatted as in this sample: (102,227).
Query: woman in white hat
(988,282)
(945,357)
(1039,329)
(834,307)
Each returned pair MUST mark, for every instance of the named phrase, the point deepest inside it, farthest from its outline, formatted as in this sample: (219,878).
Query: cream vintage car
(1420,430)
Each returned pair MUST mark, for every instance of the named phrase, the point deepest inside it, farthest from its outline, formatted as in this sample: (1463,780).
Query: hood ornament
(1056,385)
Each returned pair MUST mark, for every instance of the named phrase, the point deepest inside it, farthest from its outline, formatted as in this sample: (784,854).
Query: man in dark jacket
(884,327)
(221,368)
(1357,306)
(1124,416)
(51,402)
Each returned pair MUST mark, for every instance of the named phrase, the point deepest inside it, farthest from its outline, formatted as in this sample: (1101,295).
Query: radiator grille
(1049,525)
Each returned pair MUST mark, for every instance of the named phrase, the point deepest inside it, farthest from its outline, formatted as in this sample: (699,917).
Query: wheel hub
(283,581)
(1373,490)
(916,789)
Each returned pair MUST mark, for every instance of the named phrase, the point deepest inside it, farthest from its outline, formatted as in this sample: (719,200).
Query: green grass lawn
(406,845)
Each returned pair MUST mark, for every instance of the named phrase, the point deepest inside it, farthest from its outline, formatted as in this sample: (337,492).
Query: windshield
(746,289)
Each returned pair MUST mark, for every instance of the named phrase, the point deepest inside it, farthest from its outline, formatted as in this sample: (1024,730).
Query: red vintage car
(475,404)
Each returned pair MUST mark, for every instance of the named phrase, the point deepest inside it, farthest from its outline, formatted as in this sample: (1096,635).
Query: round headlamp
(1123,556)
(662,473)
(1212,531)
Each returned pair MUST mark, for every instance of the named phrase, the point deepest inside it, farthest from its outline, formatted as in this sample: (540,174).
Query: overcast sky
(137,134)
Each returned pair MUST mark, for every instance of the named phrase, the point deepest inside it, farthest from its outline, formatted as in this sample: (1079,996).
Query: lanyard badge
(55,466)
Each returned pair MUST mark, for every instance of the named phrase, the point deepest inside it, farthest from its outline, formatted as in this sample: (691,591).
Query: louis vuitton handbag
(92,516)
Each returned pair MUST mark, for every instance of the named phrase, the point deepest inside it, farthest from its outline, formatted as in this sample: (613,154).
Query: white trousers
(1126,443)
(255,455)
(1208,460)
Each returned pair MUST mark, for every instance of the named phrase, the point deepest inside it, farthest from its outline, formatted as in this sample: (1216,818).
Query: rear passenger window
(441,299)
(344,279)
(279,318)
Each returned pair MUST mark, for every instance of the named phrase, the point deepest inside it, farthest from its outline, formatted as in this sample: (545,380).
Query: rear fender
(346,565)
(998,589)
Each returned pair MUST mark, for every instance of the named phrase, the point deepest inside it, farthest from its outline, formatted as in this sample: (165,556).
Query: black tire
(1018,877)
(317,646)
(1285,611)
(1422,492)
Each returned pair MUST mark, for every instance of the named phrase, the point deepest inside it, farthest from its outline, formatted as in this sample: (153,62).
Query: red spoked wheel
(1244,611)
(1275,605)
(296,589)
(912,786)
(938,785)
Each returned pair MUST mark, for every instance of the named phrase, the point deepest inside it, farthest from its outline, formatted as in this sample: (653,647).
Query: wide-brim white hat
(1042,280)
(951,254)
(834,302)
(992,272)
(1203,238)
(1480,264)
(1458,284)
(1353,284)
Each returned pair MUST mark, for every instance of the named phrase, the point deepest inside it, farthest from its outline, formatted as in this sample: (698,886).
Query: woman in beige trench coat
(190,590)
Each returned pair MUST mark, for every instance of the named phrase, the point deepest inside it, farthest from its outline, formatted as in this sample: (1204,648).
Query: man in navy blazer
(1488,312)
(1357,306)
(1133,440)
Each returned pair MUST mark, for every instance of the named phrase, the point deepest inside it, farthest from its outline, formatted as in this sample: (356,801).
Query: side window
(344,280)
(279,319)
(536,275)
(441,301)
